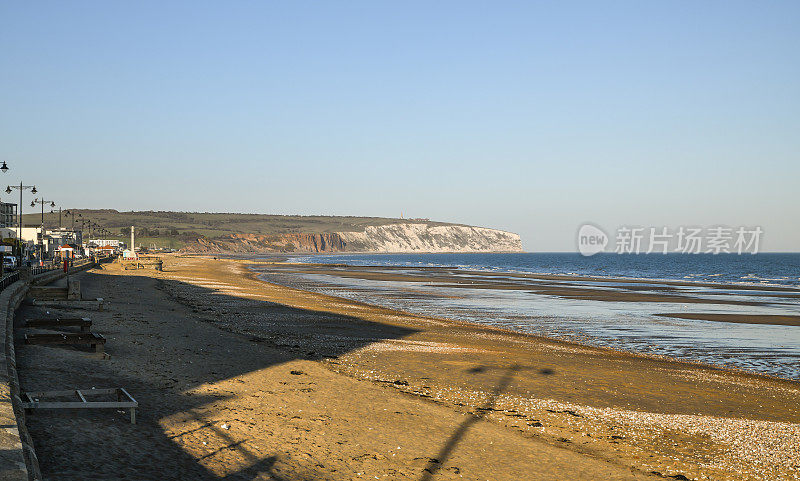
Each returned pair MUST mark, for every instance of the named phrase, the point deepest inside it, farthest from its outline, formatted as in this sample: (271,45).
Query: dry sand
(240,379)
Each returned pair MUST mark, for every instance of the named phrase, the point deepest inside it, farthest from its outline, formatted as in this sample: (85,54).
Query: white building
(106,242)
(68,236)
(31,234)
(53,239)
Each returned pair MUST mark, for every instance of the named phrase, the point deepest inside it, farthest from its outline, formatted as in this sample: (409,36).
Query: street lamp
(72,213)
(59,216)
(4,169)
(41,236)
(21,188)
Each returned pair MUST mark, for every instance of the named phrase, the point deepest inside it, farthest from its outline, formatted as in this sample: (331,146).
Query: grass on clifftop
(175,229)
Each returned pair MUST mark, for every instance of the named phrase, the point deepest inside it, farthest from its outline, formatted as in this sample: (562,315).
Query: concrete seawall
(18,459)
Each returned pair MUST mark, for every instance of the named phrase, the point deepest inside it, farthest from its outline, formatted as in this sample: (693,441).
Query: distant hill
(231,232)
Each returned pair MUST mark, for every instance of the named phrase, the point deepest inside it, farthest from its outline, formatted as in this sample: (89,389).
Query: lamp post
(83,225)
(21,188)
(74,232)
(4,169)
(72,213)
(41,235)
(59,217)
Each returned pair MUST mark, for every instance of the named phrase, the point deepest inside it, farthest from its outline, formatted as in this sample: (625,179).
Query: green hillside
(174,229)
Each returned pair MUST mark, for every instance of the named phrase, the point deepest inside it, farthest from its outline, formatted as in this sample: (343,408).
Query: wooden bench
(95,340)
(39,400)
(42,323)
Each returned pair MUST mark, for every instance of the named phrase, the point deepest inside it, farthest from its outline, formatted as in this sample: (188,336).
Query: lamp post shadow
(434,464)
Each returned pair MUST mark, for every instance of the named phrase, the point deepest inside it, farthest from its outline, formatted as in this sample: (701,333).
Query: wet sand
(241,379)
(277,261)
(775,320)
(575,287)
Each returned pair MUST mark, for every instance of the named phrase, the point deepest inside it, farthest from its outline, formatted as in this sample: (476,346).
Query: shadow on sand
(166,333)
(434,464)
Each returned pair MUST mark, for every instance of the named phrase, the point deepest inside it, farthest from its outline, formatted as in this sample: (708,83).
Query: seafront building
(52,240)
(106,242)
(8,213)
(7,233)
(103,247)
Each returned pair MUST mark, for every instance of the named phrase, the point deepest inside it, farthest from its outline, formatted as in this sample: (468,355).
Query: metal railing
(39,270)
(49,267)
(13,277)
(9,279)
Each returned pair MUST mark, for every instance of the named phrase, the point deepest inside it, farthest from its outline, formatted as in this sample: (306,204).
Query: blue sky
(530,117)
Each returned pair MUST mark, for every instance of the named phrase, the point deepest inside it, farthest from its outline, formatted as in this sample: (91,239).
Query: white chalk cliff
(411,237)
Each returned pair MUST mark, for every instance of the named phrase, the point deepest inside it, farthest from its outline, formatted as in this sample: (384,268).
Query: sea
(779,269)
(728,284)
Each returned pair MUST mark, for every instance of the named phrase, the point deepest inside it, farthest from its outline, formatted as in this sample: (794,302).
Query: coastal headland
(238,378)
(215,233)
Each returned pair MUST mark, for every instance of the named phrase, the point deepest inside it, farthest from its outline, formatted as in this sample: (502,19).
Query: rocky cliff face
(407,237)
(255,243)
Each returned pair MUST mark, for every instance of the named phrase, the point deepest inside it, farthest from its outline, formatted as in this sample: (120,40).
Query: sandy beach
(238,378)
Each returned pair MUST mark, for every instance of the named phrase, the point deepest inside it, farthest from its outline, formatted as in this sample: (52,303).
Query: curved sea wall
(405,237)
(18,459)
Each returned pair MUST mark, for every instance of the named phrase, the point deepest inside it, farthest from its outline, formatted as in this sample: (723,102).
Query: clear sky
(525,116)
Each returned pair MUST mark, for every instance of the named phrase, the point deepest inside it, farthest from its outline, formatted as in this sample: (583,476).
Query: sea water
(632,326)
